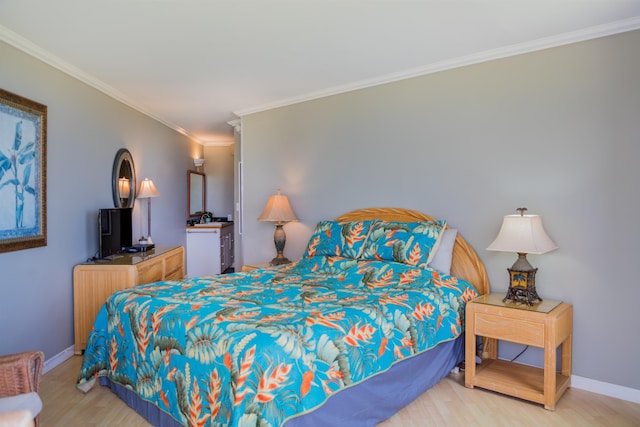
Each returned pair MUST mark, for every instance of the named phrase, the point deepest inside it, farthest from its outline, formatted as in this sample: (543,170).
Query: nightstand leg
(567,349)
(550,363)
(470,349)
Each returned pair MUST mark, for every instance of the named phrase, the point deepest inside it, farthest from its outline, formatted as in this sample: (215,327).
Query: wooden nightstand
(547,325)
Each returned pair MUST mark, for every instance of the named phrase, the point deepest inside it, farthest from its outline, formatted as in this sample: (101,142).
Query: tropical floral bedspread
(256,348)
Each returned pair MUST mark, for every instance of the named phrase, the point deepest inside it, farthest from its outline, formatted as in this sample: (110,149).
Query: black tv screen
(116,231)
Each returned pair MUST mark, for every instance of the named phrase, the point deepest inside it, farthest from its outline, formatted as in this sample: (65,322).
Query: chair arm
(20,373)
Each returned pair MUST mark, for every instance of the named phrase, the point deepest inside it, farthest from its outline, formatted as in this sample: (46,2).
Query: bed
(353,331)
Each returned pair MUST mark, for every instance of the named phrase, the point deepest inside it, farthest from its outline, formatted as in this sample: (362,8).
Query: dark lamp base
(522,287)
(279,239)
(280,260)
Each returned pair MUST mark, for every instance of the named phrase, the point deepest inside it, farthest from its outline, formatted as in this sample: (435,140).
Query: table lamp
(278,210)
(147,191)
(523,234)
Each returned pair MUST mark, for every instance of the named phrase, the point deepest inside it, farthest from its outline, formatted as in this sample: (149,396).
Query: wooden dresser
(95,281)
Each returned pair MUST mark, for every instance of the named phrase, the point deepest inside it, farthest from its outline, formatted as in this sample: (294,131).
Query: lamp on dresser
(523,234)
(147,191)
(278,210)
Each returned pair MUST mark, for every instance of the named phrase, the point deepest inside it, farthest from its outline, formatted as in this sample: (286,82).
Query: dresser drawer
(150,271)
(505,328)
(174,266)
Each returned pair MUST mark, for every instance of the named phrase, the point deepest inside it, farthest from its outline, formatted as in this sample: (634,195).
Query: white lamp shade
(147,189)
(522,234)
(278,209)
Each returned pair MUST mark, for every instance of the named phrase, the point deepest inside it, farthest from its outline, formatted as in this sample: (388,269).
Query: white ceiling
(195,65)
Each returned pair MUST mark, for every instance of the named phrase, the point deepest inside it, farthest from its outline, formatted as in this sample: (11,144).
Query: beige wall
(219,171)
(556,131)
(85,130)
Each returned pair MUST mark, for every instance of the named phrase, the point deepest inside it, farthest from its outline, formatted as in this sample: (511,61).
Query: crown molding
(598,31)
(236,124)
(37,52)
(612,28)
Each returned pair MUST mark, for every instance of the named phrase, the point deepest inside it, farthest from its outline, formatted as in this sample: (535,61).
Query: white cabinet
(209,249)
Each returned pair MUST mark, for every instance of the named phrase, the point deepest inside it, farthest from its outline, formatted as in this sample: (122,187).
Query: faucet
(202,221)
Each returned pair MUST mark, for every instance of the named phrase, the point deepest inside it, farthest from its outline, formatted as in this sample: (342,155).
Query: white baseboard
(54,361)
(607,389)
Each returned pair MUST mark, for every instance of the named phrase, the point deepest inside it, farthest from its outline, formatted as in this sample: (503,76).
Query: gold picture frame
(23,173)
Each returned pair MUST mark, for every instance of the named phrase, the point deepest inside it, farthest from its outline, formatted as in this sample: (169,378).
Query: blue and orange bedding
(257,348)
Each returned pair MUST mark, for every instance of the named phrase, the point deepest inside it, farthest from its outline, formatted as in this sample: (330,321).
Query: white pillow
(442,258)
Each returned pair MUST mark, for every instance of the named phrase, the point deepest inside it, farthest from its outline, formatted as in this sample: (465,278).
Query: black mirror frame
(123,155)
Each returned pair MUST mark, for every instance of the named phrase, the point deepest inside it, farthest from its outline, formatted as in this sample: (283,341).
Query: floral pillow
(412,243)
(344,239)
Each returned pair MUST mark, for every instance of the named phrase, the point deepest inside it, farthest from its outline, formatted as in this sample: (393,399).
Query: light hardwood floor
(448,403)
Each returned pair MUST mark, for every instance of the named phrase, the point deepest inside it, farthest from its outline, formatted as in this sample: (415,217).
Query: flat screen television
(116,232)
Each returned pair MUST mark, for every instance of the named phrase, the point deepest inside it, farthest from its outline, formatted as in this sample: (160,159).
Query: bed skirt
(391,390)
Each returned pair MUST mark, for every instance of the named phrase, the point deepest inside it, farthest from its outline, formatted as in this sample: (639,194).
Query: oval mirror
(196,193)
(123,180)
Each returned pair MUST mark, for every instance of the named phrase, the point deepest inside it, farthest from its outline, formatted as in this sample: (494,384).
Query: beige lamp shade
(522,234)
(147,189)
(278,209)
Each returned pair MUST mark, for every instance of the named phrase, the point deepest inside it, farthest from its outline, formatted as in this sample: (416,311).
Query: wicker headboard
(465,263)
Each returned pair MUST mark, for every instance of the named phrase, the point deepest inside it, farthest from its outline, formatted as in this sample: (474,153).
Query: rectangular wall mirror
(195,188)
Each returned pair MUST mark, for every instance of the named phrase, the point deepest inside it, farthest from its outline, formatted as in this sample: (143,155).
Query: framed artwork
(23,173)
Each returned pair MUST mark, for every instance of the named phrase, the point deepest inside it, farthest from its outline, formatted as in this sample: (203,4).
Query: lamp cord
(519,354)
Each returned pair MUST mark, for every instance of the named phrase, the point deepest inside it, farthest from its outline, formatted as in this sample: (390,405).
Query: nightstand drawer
(505,328)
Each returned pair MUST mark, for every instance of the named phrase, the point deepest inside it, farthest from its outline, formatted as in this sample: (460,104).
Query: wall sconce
(198,163)
(124,189)
(278,210)
(147,191)
(523,234)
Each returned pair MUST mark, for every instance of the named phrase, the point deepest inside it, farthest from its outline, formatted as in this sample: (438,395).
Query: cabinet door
(203,253)
(224,255)
(231,249)
(226,248)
